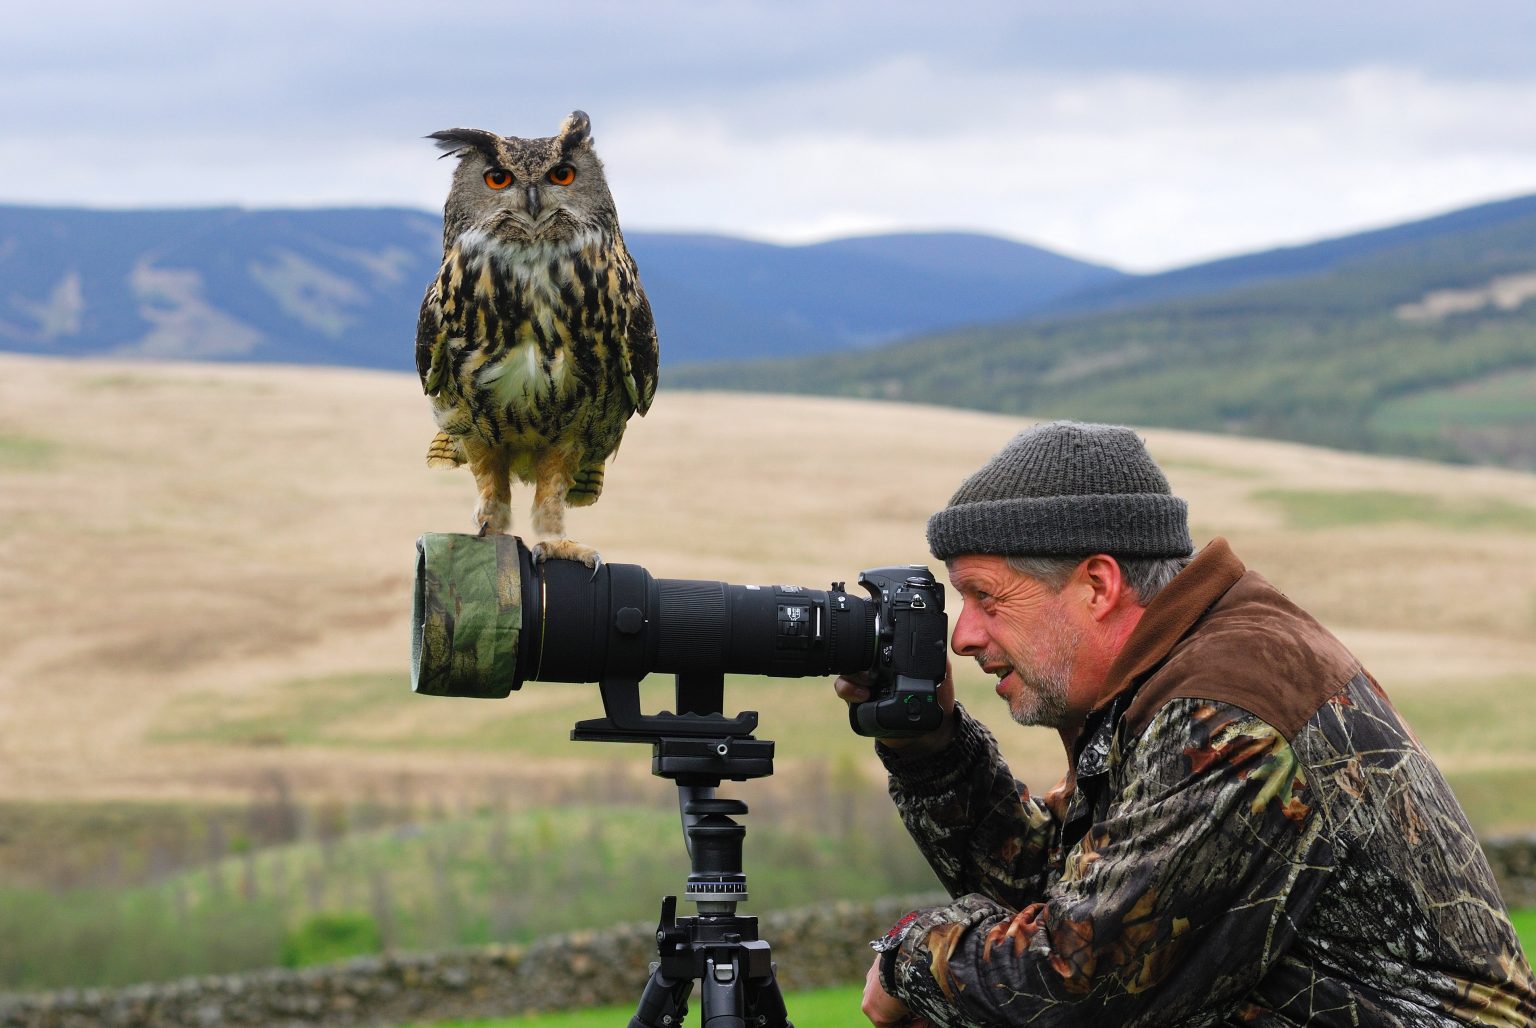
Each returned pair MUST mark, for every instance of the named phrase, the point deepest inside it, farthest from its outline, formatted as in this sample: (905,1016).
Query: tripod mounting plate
(698,699)
(688,747)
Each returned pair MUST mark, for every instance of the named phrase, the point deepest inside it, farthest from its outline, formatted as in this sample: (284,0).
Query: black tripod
(697,748)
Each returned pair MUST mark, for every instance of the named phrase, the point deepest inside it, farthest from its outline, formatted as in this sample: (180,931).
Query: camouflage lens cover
(467,615)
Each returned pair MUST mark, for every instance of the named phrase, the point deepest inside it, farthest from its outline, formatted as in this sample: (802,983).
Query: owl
(535,342)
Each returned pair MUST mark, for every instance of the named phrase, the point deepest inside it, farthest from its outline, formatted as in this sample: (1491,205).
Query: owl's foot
(567,549)
(494,518)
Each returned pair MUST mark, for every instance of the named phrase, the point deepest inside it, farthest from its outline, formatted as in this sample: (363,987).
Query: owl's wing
(639,355)
(431,343)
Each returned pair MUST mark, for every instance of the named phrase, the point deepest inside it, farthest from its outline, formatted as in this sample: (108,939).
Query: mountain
(715,297)
(307,287)
(1420,340)
(1310,259)
(343,286)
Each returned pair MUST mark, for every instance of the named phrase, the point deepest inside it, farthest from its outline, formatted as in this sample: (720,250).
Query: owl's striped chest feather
(530,335)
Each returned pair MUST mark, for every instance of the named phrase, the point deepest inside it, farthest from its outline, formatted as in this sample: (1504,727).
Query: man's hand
(854,688)
(883,1009)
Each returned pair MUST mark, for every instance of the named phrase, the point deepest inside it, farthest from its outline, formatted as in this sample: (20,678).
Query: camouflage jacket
(1251,835)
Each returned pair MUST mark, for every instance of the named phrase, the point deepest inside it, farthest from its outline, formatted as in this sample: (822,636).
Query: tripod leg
(664,1001)
(765,1003)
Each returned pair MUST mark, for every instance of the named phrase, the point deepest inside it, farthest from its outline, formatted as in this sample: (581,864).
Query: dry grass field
(205,571)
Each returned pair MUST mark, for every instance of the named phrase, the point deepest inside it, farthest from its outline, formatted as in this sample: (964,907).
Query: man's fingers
(853,688)
(883,1009)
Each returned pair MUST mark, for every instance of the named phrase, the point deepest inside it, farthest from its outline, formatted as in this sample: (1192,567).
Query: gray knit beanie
(1065,489)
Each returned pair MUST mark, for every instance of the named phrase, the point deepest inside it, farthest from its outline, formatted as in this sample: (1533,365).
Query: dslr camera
(487,618)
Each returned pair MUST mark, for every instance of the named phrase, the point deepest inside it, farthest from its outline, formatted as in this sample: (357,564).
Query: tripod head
(696,748)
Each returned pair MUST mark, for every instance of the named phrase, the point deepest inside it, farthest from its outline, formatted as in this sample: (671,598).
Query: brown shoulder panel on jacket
(1256,650)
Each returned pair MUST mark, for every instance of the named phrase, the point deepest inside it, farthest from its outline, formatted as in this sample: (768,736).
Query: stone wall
(1514,864)
(812,948)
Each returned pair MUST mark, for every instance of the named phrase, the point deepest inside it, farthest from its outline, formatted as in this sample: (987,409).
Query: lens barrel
(622,622)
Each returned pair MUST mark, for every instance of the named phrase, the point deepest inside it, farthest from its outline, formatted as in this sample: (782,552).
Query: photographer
(1247,832)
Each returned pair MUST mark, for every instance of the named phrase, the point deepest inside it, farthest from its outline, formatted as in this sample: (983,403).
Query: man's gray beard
(1046,685)
(1049,696)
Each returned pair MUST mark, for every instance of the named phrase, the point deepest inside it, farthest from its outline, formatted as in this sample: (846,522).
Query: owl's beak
(533,202)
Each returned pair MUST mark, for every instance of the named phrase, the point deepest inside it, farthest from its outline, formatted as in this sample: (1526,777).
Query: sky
(1144,134)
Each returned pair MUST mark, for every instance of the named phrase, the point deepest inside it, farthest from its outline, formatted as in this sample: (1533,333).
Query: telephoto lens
(486,618)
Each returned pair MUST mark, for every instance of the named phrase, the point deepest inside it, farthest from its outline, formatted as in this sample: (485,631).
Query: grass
(1311,509)
(1504,400)
(1497,800)
(818,1008)
(1453,718)
(1487,760)
(26,453)
(469,880)
(1525,924)
(60,845)
(378,711)
(304,711)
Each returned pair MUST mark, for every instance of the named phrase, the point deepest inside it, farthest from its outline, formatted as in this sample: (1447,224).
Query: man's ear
(1104,580)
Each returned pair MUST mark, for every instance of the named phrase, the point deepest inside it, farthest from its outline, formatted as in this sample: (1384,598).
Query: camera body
(911,629)
(487,618)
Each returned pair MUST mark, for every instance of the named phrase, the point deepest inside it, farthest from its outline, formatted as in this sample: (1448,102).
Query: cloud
(1144,170)
(1143,135)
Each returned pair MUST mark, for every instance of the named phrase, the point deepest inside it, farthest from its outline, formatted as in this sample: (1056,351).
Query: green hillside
(1425,348)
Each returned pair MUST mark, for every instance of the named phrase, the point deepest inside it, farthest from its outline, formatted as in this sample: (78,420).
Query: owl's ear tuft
(575,130)
(459,142)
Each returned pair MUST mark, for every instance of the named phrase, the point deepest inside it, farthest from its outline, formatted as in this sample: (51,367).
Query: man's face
(1018,629)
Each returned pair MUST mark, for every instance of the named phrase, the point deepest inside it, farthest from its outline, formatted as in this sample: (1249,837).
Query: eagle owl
(535,341)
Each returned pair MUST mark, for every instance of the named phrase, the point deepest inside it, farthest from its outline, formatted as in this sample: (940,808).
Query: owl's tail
(444,452)
(586,488)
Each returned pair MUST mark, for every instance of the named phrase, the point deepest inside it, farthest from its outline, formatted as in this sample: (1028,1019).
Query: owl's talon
(485,528)
(566,549)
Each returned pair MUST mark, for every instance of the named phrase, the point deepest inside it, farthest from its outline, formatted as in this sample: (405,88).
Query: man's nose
(968,639)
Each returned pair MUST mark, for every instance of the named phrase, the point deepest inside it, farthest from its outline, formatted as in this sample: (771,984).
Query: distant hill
(1420,339)
(1311,259)
(306,287)
(717,297)
(343,286)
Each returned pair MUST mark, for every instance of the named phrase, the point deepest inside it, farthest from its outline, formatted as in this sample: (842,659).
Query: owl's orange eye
(562,174)
(498,178)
